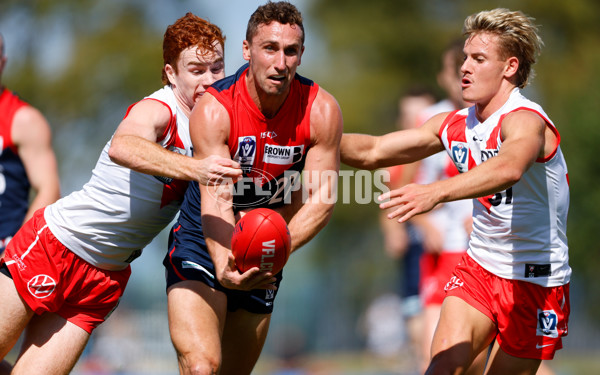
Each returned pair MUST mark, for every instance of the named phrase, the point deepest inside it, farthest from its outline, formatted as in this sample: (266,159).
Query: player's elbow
(116,151)
(329,210)
(327,213)
(369,164)
(509,175)
(359,160)
(113,154)
(359,151)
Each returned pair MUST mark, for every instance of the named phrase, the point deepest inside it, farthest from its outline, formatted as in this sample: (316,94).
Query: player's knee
(204,364)
(203,369)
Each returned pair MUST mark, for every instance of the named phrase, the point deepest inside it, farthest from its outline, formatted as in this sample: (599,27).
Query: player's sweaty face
(275,53)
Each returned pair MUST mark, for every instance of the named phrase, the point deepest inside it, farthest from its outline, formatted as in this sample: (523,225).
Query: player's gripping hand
(409,200)
(214,170)
(230,277)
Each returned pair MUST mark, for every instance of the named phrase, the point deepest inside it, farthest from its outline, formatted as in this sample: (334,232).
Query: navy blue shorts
(188,259)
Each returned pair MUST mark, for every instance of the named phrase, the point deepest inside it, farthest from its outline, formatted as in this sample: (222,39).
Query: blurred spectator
(402,242)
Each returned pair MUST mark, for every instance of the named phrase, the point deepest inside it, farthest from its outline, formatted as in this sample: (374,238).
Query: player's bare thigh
(500,363)
(196,320)
(462,333)
(52,345)
(243,339)
(14,315)
(431,316)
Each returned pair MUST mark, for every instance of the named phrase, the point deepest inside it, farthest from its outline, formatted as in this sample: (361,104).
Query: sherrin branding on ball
(261,239)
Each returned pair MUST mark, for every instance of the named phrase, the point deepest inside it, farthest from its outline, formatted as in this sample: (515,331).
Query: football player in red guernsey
(276,124)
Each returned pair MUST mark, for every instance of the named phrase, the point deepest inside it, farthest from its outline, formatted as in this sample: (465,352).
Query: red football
(261,239)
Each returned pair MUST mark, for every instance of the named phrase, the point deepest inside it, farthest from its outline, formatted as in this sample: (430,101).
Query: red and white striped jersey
(119,211)
(519,233)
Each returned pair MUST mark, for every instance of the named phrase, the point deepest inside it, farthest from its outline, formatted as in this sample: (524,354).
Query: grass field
(355,363)
(131,343)
(364,364)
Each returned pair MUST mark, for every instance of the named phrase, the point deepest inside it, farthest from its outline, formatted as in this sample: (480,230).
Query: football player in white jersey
(65,270)
(511,290)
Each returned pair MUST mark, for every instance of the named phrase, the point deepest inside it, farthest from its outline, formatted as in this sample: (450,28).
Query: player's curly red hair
(189,30)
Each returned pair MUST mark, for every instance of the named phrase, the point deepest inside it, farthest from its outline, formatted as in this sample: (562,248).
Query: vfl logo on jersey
(547,321)
(282,155)
(459,152)
(41,286)
(246,152)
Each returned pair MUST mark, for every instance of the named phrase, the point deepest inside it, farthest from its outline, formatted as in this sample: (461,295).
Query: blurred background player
(27,161)
(419,242)
(67,267)
(277,124)
(444,230)
(403,241)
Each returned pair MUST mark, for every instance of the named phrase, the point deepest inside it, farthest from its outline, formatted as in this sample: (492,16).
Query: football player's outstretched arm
(400,147)
(523,134)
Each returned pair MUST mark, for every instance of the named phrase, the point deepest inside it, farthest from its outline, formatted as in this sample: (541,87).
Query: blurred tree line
(371,52)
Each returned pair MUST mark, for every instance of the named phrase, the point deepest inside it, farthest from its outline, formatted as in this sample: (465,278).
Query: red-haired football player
(65,270)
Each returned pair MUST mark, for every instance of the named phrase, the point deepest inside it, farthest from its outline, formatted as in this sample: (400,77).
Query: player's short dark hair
(281,11)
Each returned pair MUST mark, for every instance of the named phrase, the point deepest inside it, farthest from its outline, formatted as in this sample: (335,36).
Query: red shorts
(49,277)
(436,270)
(531,319)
